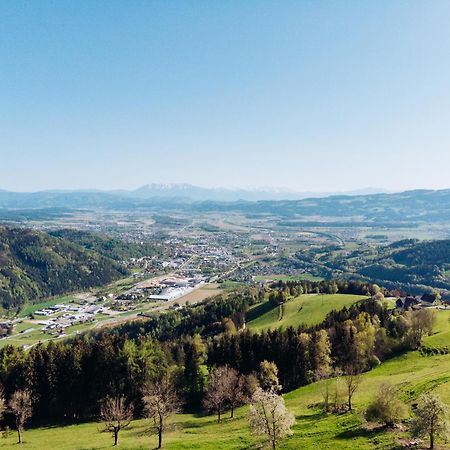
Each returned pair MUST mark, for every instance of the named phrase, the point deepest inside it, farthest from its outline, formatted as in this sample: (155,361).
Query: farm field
(309,309)
(200,294)
(413,373)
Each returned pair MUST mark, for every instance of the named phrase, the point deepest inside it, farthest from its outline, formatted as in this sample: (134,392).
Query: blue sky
(308,95)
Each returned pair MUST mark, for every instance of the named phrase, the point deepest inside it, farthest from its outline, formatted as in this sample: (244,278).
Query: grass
(31,308)
(309,309)
(412,372)
(441,337)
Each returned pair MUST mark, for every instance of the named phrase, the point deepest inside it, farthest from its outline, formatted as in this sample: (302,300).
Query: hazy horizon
(305,96)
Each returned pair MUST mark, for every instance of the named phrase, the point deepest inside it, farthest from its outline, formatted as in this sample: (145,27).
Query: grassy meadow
(413,373)
(309,309)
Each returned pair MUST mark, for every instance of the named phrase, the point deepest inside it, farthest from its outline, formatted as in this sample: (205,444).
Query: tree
(322,354)
(217,393)
(268,376)
(20,406)
(193,378)
(268,417)
(337,374)
(161,401)
(2,402)
(236,385)
(353,379)
(116,415)
(421,323)
(430,419)
(322,364)
(386,406)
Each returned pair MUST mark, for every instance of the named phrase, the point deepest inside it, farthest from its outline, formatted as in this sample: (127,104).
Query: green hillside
(412,372)
(106,245)
(410,265)
(308,309)
(35,265)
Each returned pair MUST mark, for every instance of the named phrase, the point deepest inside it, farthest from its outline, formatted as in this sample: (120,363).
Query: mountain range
(379,209)
(188,192)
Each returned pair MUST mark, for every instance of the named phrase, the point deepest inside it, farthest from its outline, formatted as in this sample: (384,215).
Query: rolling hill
(34,265)
(408,208)
(309,309)
(413,373)
(105,245)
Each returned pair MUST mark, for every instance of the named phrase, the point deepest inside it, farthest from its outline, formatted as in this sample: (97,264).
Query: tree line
(123,373)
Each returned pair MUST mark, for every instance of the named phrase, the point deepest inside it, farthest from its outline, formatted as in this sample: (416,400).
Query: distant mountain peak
(194,192)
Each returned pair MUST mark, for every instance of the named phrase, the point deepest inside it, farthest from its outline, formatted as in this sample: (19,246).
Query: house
(430,299)
(407,302)
(6,329)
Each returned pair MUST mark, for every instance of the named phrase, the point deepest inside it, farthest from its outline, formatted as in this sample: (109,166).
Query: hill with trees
(198,360)
(35,265)
(106,245)
(410,265)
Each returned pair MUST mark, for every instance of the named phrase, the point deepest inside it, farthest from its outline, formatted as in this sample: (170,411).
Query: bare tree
(421,324)
(116,415)
(337,391)
(161,401)
(236,385)
(324,376)
(217,393)
(353,379)
(268,417)
(430,419)
(20,406)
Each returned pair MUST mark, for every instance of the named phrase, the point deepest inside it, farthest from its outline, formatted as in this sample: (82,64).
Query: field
(309,309)
(200,294)
(413,373)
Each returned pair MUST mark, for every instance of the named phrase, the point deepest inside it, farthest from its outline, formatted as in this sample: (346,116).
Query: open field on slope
(414,373)
(441,337)
(308,308)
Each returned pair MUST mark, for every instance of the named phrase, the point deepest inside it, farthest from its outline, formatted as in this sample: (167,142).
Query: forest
(409,265)
(35,265)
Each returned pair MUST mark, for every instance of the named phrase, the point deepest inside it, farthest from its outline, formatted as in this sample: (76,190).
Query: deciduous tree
(21,406)
(161,401)
(116,415)
(386,406)
(236,385)
(217,393)
(430,419)
(268,417)
(268,376)
(353,379)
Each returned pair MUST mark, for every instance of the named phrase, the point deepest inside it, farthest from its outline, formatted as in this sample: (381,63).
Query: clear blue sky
(309,95)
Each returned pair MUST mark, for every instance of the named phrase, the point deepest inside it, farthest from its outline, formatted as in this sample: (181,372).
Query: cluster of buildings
(413,302)
(175,287)
(68,315)
(165,289)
